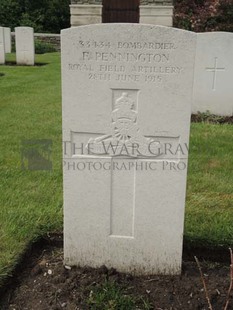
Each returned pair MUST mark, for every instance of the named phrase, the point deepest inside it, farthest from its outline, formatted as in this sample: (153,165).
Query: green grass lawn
(209,207)
(31,201)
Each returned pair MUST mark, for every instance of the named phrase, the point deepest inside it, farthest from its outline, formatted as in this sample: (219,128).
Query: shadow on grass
(37,64)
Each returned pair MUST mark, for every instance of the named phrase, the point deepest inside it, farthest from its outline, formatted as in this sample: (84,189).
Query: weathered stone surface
(2,46)
(213,89)
(7,38)
(127,92)
(156,15)
(25,47)
(85,14)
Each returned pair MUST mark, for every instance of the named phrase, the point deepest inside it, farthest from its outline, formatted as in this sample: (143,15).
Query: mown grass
(112,296)
(31,201)
(209,207)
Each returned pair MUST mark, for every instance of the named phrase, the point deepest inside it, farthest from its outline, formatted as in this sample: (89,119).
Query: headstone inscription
(2,46)
(127,92)
(25,47)
(213,89)
(7,38)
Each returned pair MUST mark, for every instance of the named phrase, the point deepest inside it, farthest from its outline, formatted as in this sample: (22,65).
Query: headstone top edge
(24,27)
(213,33)
(125,25)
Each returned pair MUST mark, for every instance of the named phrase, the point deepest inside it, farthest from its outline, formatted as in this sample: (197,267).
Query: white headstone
(127,93)
(213,89)
(2,47)
(25,47)
(7,37)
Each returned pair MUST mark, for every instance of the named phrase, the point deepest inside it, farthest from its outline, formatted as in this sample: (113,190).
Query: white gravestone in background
(7,38)
(127,93)
(25,47)
(213,89)
(2,46)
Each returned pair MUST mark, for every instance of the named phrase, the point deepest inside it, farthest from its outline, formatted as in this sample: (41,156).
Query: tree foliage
(54,15)
(204,15)
(43,15)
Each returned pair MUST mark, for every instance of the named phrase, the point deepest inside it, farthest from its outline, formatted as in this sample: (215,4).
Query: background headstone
(2,46)
(7,38)
(126,86)
(25,47)
(213,89)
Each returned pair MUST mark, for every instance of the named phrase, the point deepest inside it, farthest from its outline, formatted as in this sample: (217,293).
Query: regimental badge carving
(125,138)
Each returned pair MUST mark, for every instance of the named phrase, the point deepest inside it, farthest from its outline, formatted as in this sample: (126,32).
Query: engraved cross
(127,150)
(215,69)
